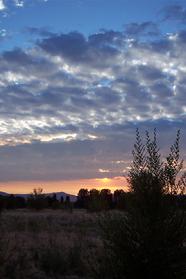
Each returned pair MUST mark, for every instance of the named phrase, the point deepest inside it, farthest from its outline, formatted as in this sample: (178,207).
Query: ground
(49,244)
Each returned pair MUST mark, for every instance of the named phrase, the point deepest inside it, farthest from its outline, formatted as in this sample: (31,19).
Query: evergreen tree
(148,241)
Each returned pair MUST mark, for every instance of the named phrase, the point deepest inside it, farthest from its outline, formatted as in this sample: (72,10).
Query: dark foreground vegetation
(49,244)
(139,234)
(149,241)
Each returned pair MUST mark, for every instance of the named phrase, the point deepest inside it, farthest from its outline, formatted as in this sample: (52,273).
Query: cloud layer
(6,4)
(72,102)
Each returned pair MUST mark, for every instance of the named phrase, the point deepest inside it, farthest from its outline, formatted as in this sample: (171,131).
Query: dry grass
(48,244)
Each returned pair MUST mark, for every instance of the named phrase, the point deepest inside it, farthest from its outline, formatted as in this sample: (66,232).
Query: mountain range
(58,195)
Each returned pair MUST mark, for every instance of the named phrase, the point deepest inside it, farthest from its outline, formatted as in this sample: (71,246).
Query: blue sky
(86,16)
(78,77)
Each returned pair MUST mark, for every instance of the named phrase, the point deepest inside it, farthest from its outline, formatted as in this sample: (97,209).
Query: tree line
(36,200)
(93,200)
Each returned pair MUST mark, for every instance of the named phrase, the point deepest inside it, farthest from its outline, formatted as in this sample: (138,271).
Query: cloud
(103,171)
(19,3)
(48,161)
(76,48)
(147,28)
(2,5)
(43,32)
(70,104)
(175,13)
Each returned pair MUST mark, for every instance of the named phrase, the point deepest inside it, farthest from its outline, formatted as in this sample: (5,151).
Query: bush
(148,241)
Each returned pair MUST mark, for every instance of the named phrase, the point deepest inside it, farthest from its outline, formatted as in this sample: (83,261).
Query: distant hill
(73,198)
(4,194)
(62,194)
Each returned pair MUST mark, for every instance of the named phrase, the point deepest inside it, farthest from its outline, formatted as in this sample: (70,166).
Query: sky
(77,77)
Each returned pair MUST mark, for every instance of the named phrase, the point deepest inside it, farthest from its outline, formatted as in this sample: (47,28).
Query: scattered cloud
(6,5)
(113,82)
(147,28)
(175,13)
(103,171)
(70,104)
(19,3)
(42,32)
(2,5)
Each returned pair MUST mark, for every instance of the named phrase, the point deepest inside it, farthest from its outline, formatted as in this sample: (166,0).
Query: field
(48,244)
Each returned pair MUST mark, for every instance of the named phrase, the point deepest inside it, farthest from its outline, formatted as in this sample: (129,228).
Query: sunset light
(74,89)
(92,139)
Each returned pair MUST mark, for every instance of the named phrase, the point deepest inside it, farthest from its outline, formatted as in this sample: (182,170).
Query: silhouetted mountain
(73,198)
(4,194)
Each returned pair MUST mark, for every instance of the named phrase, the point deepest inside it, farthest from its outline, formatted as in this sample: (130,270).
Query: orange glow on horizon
(104,180)
(68,186)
